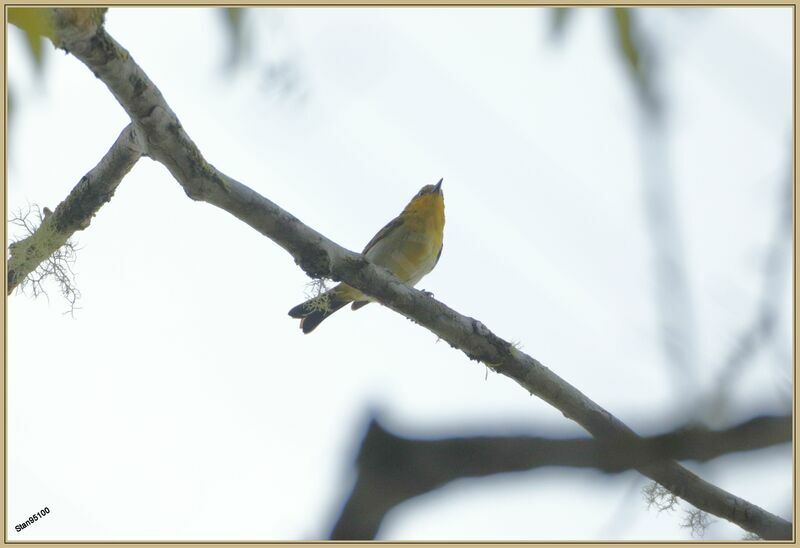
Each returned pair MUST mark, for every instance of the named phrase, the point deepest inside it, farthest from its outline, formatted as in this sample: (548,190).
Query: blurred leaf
(558,22)
(234,23)
(625,38)
(37,24)
(632,47)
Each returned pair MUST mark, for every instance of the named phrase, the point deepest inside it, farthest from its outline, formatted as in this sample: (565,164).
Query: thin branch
(671,290)
(676,315)
(320,257)
(765,322)
(74,213)
(393,469)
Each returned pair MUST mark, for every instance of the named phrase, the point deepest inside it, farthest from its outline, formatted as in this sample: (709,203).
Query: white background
(181,402)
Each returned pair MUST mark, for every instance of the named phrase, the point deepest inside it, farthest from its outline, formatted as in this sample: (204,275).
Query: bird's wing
(382,233)
(439,256)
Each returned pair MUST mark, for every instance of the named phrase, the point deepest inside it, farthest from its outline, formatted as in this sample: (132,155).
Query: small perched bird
(409,246)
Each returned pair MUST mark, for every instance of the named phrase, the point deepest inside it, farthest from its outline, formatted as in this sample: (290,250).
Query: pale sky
(181,402)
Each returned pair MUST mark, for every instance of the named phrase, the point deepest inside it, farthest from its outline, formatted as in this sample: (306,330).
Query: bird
(410,245)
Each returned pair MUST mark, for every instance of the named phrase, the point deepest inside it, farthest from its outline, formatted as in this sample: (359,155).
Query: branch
(76,211)
(318,256)
(393,469)
(765,323)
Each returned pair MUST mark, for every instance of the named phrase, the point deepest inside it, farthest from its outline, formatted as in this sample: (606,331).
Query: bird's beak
(438,187)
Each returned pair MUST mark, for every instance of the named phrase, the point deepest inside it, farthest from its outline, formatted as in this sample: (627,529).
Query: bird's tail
(313,311)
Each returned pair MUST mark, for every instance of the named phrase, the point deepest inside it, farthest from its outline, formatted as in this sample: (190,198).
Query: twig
(765,321)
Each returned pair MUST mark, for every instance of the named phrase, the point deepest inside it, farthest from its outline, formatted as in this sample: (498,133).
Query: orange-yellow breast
(411,250)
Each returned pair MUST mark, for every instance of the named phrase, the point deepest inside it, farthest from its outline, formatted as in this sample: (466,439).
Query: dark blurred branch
(393,469)
(76,211)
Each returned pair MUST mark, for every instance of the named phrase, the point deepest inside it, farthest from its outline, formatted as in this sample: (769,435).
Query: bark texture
(75,213)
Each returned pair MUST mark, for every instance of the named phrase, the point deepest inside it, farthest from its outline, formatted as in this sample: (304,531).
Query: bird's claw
(427,293)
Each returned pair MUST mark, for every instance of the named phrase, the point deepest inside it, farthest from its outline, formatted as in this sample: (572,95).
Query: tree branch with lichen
(168,143)
(56,267)
(76,211)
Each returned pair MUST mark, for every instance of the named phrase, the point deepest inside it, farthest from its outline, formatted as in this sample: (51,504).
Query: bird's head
(429,197)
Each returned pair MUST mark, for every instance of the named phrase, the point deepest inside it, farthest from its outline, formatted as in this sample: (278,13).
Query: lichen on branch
(34,248)
(46,240)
